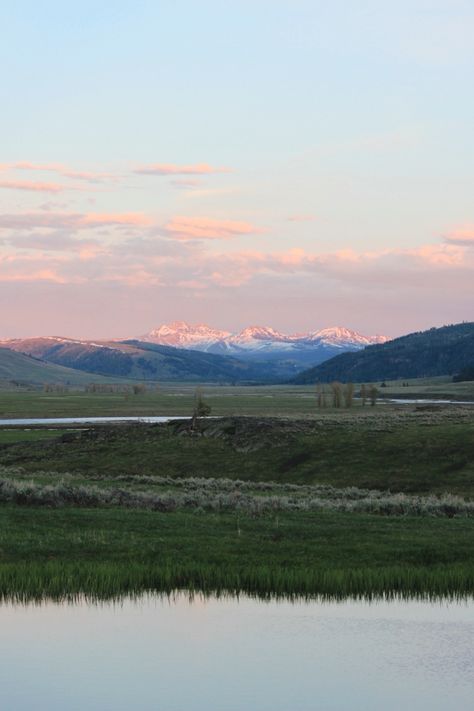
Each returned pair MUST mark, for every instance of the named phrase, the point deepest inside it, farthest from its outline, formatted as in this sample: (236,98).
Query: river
(156,654)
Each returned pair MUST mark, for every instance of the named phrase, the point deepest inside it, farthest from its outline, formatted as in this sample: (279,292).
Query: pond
(237,655)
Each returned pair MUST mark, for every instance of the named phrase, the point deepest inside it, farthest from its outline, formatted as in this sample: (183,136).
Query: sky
(291,163)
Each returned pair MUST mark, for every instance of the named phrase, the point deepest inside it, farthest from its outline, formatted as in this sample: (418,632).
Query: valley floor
(369,501)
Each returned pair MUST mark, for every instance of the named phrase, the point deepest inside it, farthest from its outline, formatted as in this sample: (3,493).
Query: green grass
(26,371)
(172,399)
(409,452)
(10,436)
(169,401)
(106,553)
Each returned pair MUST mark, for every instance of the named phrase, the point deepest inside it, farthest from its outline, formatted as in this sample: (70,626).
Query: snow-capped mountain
(340,336)
(180,334)
(258,340)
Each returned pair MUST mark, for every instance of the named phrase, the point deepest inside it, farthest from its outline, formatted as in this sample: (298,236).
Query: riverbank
(106,553)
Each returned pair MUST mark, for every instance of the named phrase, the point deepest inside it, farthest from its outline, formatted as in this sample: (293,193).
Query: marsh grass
(110,552)
(24,583)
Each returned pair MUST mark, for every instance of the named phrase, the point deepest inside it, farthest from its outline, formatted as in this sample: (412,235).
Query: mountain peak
(203,337)
(260,332)
(182,334)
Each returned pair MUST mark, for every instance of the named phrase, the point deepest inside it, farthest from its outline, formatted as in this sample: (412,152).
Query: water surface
(230,655)
(85,420)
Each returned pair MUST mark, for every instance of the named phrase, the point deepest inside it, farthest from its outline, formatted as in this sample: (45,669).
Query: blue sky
(338,150)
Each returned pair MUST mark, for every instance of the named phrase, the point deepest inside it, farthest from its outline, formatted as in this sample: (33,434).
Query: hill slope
(23,369)
(143,361)
(438,351)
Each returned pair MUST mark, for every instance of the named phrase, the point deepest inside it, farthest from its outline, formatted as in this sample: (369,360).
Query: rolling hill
(144,361)
(438,351)
(20,369)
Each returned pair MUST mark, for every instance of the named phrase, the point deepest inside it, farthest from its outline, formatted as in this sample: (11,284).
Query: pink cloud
(35,268)
(57,241)
(127,218)
(146,259)
(72,221)
(172,169)
(32,186)
(464,237)
(64,171)
(35,276)
(207,228)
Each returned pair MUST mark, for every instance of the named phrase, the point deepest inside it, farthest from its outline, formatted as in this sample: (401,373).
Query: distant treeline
(103,388)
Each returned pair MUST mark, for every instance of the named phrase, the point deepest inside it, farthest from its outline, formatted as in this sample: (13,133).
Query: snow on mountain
(339,336)
(259,339)
(180,334)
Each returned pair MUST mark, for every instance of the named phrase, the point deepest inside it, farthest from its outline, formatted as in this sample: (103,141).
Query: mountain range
(181,351)
(255,355)
(448,350)
(257,342)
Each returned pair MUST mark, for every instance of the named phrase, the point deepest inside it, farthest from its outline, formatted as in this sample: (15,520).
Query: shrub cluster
(224,495)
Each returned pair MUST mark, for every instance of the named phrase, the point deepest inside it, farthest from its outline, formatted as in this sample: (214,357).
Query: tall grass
(22,582)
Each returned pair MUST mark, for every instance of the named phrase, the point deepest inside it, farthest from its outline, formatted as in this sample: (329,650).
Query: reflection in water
(181,654)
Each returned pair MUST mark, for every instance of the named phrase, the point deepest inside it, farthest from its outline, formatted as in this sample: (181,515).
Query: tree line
(340,395)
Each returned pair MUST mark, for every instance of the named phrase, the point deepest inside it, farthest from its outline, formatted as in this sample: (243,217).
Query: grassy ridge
(407,452)
(105,553)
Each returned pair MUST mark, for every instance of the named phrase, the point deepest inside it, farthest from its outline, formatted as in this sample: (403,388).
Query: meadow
(106,553)
(361,501)
(409,450)
(178,400)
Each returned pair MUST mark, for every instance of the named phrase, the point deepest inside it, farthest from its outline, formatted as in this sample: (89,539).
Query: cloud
(172,169)
(177,260)
(463,237)
(14,268)
(354,270)
(58,241)
(71,221)
(33,186)
(207,228)
(62,170)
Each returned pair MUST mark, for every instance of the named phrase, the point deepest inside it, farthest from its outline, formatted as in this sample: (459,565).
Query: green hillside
(438,351)
(20,369)
(145,361)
